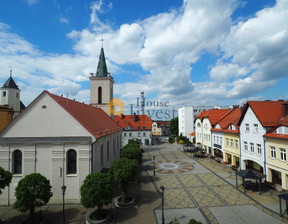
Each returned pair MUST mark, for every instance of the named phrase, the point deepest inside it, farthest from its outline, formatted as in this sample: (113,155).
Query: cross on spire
(10,71)
(102,39)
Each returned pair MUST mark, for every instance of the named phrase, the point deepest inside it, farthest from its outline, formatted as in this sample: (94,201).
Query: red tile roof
(231,119)
(162,123)
(93,119)
(282,122)
(136,122)
(276,135)
(267,112)
(214,115)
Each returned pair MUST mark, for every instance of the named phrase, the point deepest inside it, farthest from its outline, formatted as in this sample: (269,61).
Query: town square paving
(195,188)
(206,191)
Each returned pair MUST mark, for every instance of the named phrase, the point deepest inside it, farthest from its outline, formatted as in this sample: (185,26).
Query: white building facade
(51,138)
(252,142)
(186,118)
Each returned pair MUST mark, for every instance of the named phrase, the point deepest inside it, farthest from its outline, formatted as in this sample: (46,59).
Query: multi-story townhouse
(204,122)
(135,127)
(225,138)
(156,130)
(276,151)
(256,119)
(199,128)
(186,117)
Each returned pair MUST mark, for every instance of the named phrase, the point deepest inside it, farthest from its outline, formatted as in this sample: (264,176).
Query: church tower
(101,85)
(10,95)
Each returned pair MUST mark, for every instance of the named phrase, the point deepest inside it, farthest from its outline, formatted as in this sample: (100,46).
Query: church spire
(102,67)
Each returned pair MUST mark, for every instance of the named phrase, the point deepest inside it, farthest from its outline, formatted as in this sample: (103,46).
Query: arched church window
(17,161)
(99,94)
(71,161)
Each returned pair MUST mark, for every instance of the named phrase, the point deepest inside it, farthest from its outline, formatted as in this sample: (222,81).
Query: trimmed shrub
(132,153)
(122,171)
(96,190)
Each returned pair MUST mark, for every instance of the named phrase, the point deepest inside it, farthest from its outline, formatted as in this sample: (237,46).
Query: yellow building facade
(231,149)
(276,161)
(156,131)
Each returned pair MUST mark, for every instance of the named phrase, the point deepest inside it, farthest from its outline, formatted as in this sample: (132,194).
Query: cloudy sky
(190,52)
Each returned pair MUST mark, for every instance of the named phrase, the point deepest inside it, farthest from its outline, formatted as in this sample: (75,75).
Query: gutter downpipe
(265,158)
(10,169)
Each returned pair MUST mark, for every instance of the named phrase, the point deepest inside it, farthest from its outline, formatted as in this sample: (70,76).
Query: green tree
(33,191)
(5,178)
(96,190)
(132,152)
(122,171)
(174,126)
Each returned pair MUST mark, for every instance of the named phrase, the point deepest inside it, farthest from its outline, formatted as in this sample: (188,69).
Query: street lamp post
(154,166)
(162,188)
(63,192)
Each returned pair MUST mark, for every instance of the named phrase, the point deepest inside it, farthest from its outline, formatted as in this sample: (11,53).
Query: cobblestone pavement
(203,188)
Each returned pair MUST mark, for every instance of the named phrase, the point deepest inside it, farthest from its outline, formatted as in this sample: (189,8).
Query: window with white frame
(273,152)
(255,128)
(259,149)
(245,146)
(283,154)
(231,142)
(227,141)
(251,147)
(221,140)
(247,127)
(236,144)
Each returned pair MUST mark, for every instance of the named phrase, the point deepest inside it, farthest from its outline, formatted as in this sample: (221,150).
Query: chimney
(284,109)
(122,116)
(134,117)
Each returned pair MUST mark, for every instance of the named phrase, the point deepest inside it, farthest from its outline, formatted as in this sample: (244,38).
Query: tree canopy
(5,178)
(33,191)
(122,171)
(96,190)
(174,126)
(132,151)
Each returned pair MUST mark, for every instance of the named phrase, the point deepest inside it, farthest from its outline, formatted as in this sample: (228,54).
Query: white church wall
(46,114)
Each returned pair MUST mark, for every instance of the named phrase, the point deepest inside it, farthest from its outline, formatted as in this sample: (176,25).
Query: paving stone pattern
(204,191)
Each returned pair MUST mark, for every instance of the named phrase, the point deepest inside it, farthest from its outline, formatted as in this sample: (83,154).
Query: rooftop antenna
(142,102)
(102,40)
